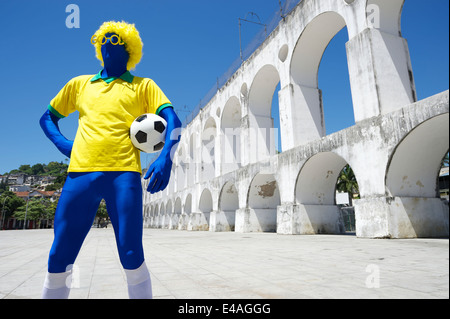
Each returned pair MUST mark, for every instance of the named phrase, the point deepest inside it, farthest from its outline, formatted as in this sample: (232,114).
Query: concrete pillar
(222,221)
(301,115)
(297,219)
(380,71)
(401,217)
(249,220)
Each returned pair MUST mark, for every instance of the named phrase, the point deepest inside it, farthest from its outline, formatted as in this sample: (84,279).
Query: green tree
(347,182)
(37,169)
(38,209)
(9,203)
(26,169)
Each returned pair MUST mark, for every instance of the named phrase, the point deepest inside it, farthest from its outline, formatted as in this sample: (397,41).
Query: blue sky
(187,45)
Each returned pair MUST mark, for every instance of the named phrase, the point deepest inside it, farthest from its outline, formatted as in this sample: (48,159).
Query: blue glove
(160,170)
(49,124)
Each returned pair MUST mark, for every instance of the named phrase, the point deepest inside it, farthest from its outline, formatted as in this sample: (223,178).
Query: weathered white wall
(228,177)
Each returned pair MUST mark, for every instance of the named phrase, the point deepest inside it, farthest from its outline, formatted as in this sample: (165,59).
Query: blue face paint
(115,58)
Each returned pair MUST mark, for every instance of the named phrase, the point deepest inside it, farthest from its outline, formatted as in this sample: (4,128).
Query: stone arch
(169,207)
(415,163)
(164,218)
(188,205)
(208,152)
(304,71)
(200,221)
(177,209)
(413,204)
(192,158)
(261,94)
(230,132)
(224,218)
(263,200)
(157,216)
(180,164)
(310,47)
(315,194)
(316,182)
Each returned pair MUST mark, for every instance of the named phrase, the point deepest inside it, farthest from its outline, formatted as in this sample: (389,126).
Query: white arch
(262,138)
(230,135)
(208,150)
(316,182)
(311,45)
(188,204)
(414,166)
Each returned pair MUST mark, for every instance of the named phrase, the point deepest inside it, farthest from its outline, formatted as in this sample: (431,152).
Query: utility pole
(249,21)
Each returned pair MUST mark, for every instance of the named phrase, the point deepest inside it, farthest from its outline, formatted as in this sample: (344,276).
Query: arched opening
(224,219)
(315,193)
(162,212)
(347,190)
(263,201)
(146,216)
(231,129)
(169,209)
(176,214)
(412,181)
(205,208)
(262,134)
(334,83)
(188,205)
(157,217)
(275,113)
(152,217)
(192,159)
(307,57)
(181,168)
(444,179)
(415,165)
(208,150)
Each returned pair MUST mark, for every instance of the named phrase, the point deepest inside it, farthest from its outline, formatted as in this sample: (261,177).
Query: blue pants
(77,207)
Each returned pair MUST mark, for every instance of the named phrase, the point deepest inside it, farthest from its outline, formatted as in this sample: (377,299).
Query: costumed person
(103,162)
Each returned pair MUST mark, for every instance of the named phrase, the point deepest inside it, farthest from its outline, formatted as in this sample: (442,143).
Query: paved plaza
(206,265)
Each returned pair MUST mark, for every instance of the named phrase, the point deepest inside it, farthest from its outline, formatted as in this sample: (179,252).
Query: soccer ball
(148,133)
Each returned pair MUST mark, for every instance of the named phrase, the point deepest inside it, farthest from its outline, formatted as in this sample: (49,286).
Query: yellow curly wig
(130,36)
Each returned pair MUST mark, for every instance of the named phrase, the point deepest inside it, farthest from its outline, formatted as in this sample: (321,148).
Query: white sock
(57,286)
(139,283)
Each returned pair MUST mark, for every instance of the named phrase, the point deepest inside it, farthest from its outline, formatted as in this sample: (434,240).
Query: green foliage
(50,169)
(37,208)
(9,203)
(347,182)
(101,211)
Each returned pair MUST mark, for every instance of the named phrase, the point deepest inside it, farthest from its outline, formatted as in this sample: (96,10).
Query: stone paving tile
(204,265)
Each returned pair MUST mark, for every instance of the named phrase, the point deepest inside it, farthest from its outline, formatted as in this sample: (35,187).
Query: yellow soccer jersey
(107,108)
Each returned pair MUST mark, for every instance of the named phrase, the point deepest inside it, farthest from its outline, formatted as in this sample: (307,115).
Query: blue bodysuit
(121,190)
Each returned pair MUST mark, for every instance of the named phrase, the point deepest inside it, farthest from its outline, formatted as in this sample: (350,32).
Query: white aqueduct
(227,175)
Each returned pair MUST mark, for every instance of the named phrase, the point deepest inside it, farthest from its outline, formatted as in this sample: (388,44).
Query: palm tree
(347,182)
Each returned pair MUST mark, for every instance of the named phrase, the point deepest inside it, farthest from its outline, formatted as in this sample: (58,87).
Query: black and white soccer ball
(148,133)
